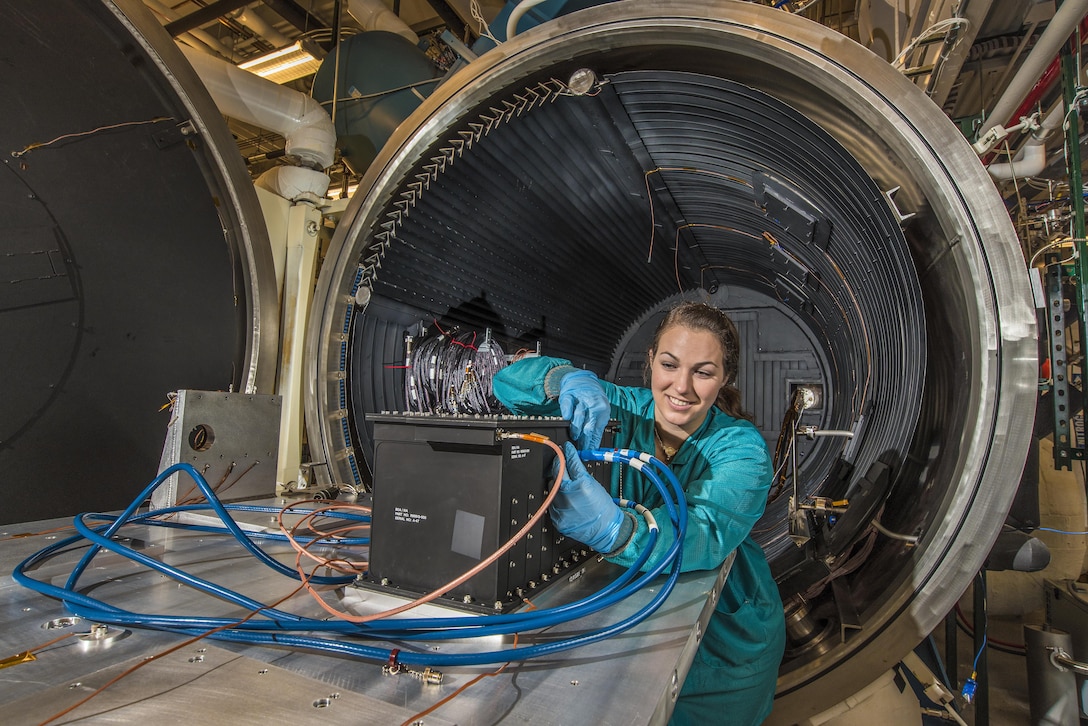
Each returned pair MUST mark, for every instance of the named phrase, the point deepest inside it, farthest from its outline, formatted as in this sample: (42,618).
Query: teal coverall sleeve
(530,386)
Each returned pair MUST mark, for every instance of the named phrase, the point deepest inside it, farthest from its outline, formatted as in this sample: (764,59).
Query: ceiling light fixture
(286,64)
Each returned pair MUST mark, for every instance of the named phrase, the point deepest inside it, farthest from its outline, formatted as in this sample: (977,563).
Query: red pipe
(1042,85)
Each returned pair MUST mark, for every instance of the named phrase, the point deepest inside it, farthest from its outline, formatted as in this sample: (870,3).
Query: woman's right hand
(583,509)
(582,401)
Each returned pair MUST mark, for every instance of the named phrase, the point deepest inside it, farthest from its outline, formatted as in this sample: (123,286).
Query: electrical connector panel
(449,491)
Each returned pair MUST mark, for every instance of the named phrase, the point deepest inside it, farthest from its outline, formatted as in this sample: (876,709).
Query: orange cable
(51,530)
(347,567)
(28,655)
(291,533)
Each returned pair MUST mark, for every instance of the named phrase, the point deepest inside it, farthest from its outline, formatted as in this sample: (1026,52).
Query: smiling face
(686,373)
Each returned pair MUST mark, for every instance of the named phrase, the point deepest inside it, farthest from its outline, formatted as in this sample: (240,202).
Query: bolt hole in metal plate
(58,623)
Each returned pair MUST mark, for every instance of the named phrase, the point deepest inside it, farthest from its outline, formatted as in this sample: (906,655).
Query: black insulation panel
(118,283)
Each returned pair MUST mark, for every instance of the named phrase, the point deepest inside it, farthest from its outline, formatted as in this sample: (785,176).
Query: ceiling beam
(296,15)
(203,16)
(453,21)
(975,11)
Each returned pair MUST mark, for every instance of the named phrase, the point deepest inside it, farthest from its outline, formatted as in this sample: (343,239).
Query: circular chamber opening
(201,437)
(764,164)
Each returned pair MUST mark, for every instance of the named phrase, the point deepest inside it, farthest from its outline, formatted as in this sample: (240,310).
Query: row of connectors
(471,416)
(576,557)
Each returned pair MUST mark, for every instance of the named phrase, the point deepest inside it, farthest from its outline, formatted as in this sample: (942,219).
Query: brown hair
(700,316)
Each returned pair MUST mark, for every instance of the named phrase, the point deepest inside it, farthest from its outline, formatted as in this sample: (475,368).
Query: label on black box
(403,514)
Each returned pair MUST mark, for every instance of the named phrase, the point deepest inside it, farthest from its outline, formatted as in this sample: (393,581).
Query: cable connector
(969,686)
(990,140)
(428,675)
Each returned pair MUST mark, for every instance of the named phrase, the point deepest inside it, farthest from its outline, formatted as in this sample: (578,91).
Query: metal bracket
(167,134)
(902,218)
(1065,448)
(230,438)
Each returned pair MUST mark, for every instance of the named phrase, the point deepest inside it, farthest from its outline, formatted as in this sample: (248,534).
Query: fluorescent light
(285,64)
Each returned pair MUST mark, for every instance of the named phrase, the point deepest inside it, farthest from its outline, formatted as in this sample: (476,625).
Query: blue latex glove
(583,509)
(583,403)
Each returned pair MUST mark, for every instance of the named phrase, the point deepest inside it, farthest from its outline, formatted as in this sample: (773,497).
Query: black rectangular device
(449,490)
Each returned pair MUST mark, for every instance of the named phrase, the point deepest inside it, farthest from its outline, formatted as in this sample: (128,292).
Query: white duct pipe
(1061,26)
(374,15)
(247,97)
(1031,159)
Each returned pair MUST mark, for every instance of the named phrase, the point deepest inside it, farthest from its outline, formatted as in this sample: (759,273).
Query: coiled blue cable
(255,631)
(151,519)
(435,628)
(220,511)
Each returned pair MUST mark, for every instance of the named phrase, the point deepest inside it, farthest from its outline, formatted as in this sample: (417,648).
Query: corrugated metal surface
(533,218)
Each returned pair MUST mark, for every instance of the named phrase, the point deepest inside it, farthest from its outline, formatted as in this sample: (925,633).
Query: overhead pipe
(374,15)
(1062,25)
(304,124)
(1040,89)
(1030,160)
(247,97)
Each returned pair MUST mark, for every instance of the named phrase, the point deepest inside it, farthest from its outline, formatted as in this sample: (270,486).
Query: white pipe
(1061,26)
(295,183)
(374,15)
(1031,159)
(247,97)
(516,15)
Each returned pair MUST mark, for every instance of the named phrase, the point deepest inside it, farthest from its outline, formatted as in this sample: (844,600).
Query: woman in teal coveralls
(691,418)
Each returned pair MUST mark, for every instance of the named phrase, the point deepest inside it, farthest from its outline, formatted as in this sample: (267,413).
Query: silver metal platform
(632,678)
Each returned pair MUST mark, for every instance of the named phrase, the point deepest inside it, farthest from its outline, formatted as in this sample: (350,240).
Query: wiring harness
(268,625)
(449,373)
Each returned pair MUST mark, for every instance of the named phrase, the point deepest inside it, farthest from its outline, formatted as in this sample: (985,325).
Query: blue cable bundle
(276,627)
